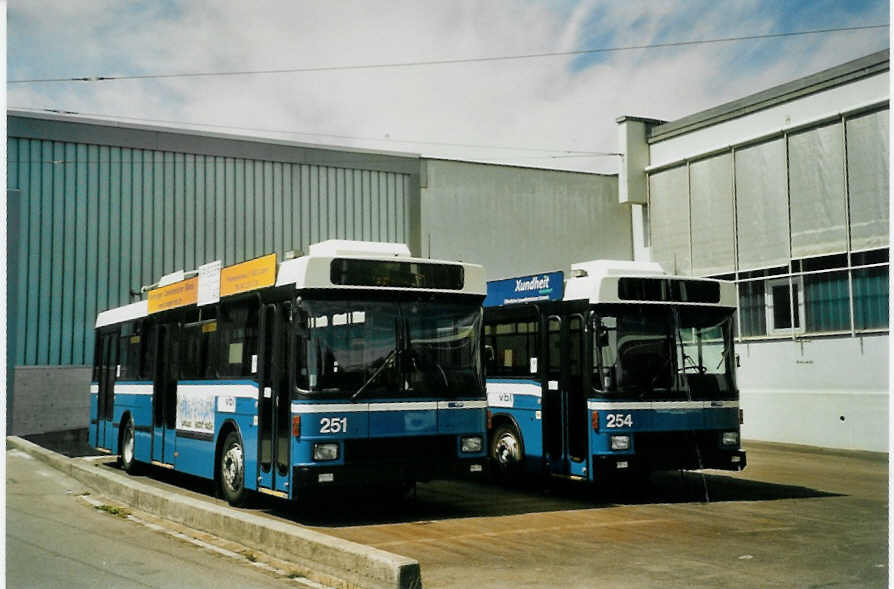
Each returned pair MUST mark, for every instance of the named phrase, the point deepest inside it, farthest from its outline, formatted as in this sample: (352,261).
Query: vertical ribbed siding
(98,221)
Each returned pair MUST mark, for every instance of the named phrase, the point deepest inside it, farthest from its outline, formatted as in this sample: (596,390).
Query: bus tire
(231,470)
(127,446)
(506,452)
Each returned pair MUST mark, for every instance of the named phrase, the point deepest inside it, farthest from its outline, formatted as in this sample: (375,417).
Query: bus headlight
(471,444)
(325,451)
(729,439)
(620,442)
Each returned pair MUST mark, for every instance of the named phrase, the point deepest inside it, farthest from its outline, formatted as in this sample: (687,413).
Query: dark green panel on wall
(106,209)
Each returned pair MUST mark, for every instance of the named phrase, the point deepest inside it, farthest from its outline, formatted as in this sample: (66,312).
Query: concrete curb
(342,563)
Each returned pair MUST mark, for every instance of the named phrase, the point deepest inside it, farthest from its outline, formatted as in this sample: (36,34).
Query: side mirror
(489,354)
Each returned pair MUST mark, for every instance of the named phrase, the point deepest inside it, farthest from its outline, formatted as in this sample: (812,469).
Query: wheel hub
(232,467)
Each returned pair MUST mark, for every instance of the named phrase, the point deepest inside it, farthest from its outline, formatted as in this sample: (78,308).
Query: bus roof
(612,281)
(316,270)
(618,281)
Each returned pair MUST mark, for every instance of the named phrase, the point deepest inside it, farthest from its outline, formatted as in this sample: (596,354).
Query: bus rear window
(668,290)
(351,272)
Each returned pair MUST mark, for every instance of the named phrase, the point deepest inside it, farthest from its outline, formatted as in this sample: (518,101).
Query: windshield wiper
(369,380)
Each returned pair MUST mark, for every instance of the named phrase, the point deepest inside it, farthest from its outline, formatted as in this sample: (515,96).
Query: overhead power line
(406,64)
(545,150)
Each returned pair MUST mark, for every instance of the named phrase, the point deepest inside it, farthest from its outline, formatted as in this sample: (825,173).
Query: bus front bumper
(617,464)
(353,475)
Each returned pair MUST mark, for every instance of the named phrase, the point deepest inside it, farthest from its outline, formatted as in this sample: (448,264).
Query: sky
(550,112)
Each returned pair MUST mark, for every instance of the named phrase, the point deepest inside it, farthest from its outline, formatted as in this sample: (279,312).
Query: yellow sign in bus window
(249,275)
(174,295)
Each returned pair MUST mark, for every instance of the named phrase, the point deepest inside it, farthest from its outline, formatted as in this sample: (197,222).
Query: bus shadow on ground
(437,500)
(462,499)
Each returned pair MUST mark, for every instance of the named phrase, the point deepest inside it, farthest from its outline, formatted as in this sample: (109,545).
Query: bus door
(107,362)
(564,407)
(164,395)
(274,405)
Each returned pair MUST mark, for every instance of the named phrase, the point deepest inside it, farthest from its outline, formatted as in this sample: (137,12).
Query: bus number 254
(619,420)
(333,425)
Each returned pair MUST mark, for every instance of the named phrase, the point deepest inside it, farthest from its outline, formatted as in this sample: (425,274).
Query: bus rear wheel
(506,452)
(231,470)
(126,458)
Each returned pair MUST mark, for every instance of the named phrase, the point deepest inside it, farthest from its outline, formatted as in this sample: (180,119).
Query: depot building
(784,192)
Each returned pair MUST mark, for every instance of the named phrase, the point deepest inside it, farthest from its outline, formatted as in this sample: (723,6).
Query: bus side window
(147,350)
(198,358)
(605,339)
(239,339)
(125,352)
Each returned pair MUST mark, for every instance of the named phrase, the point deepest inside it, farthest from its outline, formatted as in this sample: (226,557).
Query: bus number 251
(619,420)
(333,425)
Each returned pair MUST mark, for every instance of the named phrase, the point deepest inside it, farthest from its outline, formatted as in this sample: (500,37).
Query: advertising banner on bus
(525,289)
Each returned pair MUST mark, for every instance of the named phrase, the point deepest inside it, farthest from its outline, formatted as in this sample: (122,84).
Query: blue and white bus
(353,365)
(621,369)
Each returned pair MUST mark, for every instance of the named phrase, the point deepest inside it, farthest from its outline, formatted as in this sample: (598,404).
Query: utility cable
(436,62)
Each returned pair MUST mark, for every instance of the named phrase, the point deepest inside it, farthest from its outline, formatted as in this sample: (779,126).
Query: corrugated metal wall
(96,221)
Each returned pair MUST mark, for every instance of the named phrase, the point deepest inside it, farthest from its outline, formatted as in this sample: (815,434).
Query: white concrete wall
(830,391)
(770,120)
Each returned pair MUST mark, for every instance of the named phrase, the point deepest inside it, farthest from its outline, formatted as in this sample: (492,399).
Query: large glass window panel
(669,219)
(816,189)
(752,308)
(713,233)
(868,179)
(871,298)
(827,302)
(761,206)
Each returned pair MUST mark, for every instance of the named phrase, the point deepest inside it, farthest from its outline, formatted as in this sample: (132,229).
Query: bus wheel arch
(507,447)
(229,464)
(127,444)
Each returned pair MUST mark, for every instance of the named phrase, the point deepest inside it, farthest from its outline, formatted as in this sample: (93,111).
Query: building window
(785,303)
(871,298)
(752,310)
(827,302)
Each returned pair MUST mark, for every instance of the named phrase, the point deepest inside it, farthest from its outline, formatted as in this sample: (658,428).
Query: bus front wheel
(126,448)
(231,469)
(506,452)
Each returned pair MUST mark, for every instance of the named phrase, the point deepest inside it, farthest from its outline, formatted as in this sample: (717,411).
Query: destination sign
(525,289)
(174,295)
(249,275)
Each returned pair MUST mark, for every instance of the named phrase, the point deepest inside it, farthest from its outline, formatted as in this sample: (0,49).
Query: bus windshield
(632,351)
(704,351)
(379,348)
(663,352)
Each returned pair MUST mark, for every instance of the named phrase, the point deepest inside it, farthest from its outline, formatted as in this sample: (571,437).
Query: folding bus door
(553,428)
(164,395)
(107,360)
(274,405)
(564,411)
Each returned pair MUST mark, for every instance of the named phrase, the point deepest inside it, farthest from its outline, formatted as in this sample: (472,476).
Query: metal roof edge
(75,118)
(863,67)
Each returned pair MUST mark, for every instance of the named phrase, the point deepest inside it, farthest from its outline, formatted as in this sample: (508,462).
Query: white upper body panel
(597,282)
(121,314)
(314,269)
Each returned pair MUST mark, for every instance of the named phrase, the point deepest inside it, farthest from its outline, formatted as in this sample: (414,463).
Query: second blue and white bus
(355,364)
(621,369)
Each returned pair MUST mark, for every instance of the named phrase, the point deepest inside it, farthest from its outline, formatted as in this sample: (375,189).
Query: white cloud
(532,103)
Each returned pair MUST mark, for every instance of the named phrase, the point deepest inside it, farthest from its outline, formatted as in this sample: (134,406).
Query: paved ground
(56,538)
(795,518)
